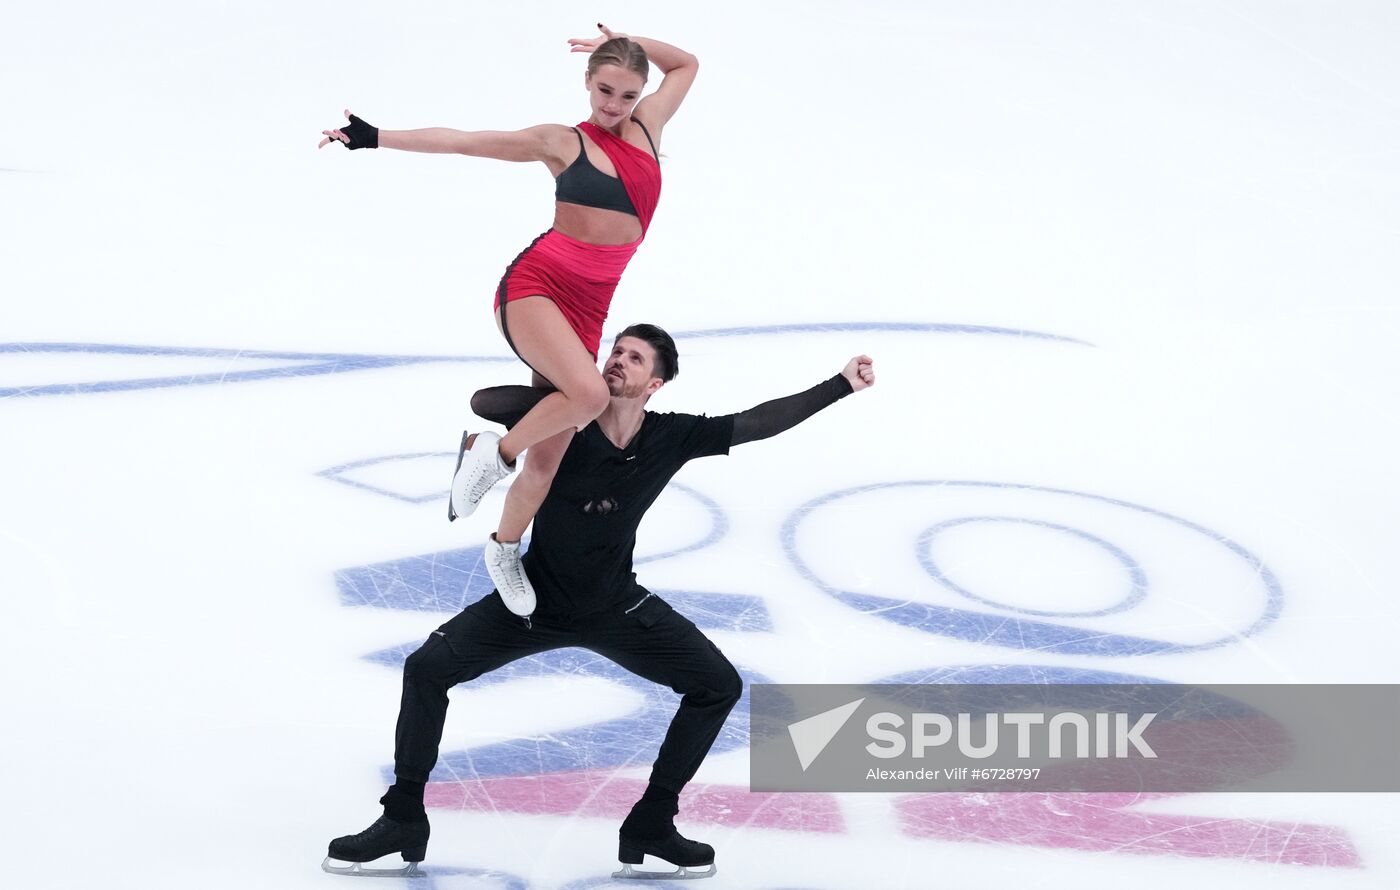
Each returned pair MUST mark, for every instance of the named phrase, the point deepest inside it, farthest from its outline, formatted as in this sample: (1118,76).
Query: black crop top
(582,183)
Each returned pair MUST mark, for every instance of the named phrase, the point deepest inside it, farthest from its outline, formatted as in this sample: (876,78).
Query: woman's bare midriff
(596,226)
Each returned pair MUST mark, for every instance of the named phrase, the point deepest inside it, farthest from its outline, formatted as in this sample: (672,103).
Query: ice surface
(1127,271)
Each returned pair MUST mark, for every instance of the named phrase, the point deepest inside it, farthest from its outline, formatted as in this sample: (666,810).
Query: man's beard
(619,388)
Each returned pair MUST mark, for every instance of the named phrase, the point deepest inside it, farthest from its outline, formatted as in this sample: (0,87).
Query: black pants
(651,640)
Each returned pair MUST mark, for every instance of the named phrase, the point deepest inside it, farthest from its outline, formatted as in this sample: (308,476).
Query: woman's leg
(528,491)
(540,335)
(507,405)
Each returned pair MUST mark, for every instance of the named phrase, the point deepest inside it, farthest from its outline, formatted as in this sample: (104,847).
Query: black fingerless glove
(360,134)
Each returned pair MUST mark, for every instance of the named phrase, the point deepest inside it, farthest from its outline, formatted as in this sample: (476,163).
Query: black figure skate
(385,836)
(649,830)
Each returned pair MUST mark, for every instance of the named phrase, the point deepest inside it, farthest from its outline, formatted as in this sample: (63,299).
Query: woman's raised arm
(678,69)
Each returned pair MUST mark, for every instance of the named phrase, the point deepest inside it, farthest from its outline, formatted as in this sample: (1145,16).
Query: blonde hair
(624,53)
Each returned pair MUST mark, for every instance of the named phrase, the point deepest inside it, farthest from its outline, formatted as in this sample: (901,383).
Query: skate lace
(380,827)
(484,479)
(512,571)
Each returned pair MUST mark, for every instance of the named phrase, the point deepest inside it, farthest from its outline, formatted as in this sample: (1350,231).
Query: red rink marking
(603,795)
(1104,823)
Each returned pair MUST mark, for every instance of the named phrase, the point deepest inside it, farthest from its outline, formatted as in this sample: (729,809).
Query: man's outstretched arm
(771,418)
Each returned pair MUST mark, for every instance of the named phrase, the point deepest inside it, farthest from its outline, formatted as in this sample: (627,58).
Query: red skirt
(579,277)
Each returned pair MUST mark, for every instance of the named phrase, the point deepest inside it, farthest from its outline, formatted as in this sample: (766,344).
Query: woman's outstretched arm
(531,144)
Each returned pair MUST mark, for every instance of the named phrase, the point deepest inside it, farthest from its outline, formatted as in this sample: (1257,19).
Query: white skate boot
(478,468)
(503,564)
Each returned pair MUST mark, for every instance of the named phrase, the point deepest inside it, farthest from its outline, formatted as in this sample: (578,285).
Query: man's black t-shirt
(580,556)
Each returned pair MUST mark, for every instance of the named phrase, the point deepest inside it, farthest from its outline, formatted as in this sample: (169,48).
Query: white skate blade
(627,872)
(358,870)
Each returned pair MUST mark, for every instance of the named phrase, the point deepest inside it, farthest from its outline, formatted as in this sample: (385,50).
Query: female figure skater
(552,301)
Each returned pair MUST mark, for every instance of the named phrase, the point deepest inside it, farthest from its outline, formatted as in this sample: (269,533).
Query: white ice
(1200,200)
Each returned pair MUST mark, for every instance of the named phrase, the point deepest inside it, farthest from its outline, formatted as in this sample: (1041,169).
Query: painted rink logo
(950,598)
(588,786)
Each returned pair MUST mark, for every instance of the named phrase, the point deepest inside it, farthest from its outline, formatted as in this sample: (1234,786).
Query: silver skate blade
(358,870)
(461,453)
(627,872)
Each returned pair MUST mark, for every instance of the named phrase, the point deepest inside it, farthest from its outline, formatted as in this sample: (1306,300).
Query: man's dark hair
(667,361)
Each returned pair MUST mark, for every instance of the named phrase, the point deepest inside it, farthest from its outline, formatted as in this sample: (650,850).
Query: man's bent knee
(733,687)
(431,661)
(723,687)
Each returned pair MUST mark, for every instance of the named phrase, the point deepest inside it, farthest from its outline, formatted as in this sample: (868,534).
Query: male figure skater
(580,563)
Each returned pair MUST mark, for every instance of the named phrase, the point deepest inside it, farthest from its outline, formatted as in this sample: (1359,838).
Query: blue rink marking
(312,364)
(338,474)
(450,580)
(874,327)
(446,581)
(1137,578)
(595,882)
(627,741)
(454,877)
(302,364)
(711,610)
(1021,633)
(1017,675)
(719,520)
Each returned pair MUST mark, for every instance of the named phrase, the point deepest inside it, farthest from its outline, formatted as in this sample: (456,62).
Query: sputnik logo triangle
(811,736)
